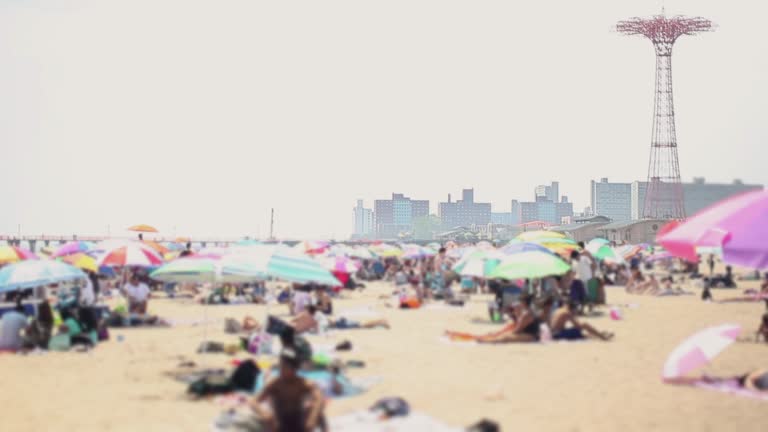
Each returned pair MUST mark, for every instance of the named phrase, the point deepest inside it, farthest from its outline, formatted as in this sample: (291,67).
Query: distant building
(502,218)
(581,231)
(363,220)
(547,206)
(632,232)
(465,212)
(697,195)
(394,217)
(613,200)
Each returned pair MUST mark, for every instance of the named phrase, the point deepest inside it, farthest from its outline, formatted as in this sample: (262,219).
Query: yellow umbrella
(537,235)
(82,261)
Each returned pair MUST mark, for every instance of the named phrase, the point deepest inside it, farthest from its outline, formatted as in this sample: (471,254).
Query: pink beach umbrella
(340,264)
(739,225)
(699,349)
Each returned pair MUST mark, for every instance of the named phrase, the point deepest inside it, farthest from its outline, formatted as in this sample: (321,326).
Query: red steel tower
(664,195)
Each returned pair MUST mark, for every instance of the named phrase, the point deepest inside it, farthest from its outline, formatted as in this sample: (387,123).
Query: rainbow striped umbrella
(9,254)
(73,247)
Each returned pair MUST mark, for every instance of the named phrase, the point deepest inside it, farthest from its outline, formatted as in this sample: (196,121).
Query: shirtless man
(567,314)
(297,404)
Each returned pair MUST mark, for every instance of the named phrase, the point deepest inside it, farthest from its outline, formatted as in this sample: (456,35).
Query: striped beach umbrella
(10,254)
(34,273)
(73,247)
(131,255)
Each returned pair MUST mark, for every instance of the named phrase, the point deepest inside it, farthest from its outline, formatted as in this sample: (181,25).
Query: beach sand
(581,386)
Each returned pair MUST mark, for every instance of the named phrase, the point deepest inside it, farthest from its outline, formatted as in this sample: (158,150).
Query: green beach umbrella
(529,265)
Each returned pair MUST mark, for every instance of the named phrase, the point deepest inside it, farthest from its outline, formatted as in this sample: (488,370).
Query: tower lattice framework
(664,195)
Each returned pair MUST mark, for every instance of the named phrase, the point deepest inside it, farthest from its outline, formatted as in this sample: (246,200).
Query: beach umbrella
(361,253)
(207,269)
(659,256)
(160,249)
(10,254)
(73,247)
(386,250)
(518,247)
(34,273)
(529,265)
(143,228)
(416,251)
(628,251)
(738,224)
(312,247)
(536,235)
(601,251)
(278,262)
(479,263)
(82,261)
(247,242)
(131,255)
(699,349)
(340,264)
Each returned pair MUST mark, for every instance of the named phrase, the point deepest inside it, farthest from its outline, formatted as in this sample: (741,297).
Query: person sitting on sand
(137,293)
(525,327)
(567,314)
(11,325)
(323,301)
(762,331)
(297,404)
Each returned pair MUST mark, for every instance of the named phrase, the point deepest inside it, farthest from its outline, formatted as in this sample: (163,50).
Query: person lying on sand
(297,404)
(755,381)
(525,328)
(567,314)
(311,320)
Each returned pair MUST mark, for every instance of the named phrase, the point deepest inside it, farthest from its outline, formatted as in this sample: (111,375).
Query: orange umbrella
(143,228)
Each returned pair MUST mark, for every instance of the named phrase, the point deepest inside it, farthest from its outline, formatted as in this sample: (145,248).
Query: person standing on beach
(137,293)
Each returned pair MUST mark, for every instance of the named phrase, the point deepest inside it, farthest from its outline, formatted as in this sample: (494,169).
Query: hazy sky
(198,116)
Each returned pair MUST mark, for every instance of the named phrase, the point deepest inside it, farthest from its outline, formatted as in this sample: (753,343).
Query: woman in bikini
(525,327)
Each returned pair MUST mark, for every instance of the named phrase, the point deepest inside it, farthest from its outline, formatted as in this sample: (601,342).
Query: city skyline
(226,124)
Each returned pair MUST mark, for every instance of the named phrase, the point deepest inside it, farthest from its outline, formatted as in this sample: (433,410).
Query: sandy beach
(580,386)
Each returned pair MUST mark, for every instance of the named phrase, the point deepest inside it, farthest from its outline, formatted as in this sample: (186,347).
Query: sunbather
(525,328)
(297,404)
(567,314)
(754,381)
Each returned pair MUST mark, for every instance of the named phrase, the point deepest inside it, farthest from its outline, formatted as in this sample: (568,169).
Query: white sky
(198,116)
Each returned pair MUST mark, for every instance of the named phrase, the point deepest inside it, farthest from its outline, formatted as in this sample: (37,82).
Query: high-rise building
(395,216)
(613,200)
(547,206)
(363,220)
(502,218)
(698,194)
(465,212)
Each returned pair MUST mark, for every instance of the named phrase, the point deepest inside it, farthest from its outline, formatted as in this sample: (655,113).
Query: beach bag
(245,376)
(210,385)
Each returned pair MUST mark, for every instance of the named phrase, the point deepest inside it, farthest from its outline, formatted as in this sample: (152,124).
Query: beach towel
(366,421)
(322,378)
